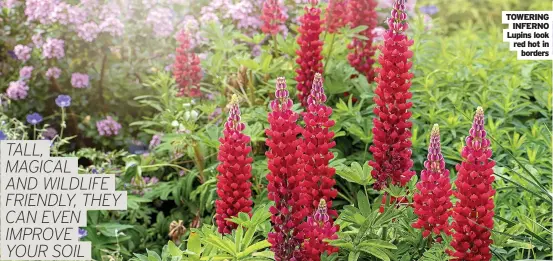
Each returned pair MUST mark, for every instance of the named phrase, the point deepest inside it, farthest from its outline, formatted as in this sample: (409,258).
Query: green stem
(329,51)
(275,45)
(165,165)
(62,126)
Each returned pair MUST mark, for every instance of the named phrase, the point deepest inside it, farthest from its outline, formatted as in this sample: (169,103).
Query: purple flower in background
(9,4)
(53,48)
(155,141)
(25,72)
(378,33)
(215,114)
(427,20)
(137,147)
(53,72)
(88,31)
(82,233)
(113,26)
(34,118)
(429,9)
(108,127)
(12,54)
(79,80)
(43,11)
(3,136)
(63,101)
(37,40)
(49,133)
(161,21)
(76,15)
(17,90)
(22,52)
(256,50)
(245,15)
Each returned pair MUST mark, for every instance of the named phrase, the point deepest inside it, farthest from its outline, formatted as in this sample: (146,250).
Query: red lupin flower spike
(284,177)
(186,68)
(318,227)
(474,210)
(233,181)
(272,17)
(432,202)
(391,146)
(336,15)
(309,54)
(363,13)
(317,142)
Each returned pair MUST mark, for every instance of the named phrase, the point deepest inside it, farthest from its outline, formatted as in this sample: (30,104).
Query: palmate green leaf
(377,243)
(376,252)
(222,243)
(353,256)
(356,173)
(254,248)
(342,243)
(194,246)
(173,250)
(238,235)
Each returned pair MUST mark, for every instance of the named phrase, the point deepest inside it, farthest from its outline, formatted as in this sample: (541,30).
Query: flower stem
(329,52)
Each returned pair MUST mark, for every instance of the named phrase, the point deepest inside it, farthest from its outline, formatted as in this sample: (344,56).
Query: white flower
(175,123)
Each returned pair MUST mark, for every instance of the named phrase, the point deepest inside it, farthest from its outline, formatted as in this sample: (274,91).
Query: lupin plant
(432,201)
(272,17)
(309,54)
(317,142)
(186,68)
(233,181)
(391,146)
(284,162)
(318,227)
(474,210)
(363,13)
(336,15)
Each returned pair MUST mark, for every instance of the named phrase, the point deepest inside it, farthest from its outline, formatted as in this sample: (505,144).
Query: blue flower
(34,118)
(3,136)
(429,9)
(82,233)
(63,101)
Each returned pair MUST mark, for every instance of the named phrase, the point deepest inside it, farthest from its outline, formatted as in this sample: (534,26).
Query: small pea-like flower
(53,72)
(82,233)
(108,127)
(22,52)
(3,136)
(63,101)
(79,80)
(34,118)
(25,72)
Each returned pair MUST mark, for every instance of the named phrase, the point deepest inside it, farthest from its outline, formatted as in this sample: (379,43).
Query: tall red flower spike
(186,68)
(318,227)
(317,142)
(309,54)
(473,212)
(272,17)
(336,15)
(391,146)
(362,12)
(233,181)
(284,177)
(432,201)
